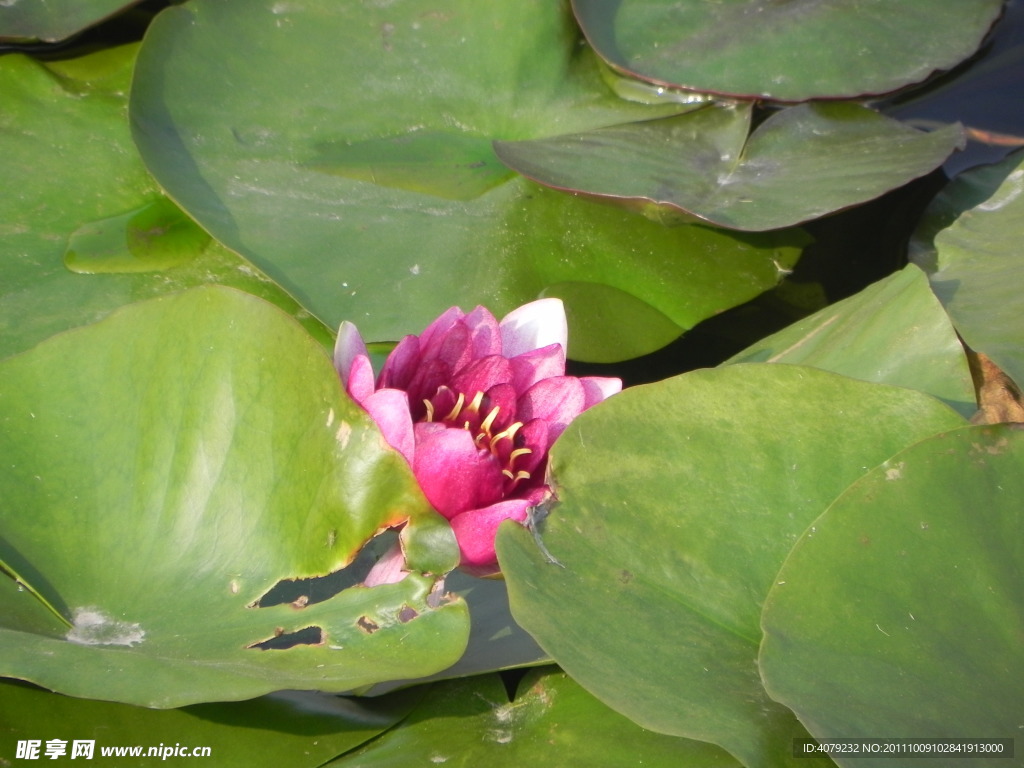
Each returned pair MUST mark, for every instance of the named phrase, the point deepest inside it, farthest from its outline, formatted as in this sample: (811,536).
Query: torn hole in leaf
(407,614)
(302,592)
(437,594)
(368,625)
(283,640)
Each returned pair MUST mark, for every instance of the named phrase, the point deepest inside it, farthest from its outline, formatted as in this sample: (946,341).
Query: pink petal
(389,569)
(503,397)
(389,408)
(441,325)
(443,401)
(446,353)
(484,333)
(475,529)
(456,346)
(598,388)
(359,383)
(533,326)
(544,363)
(482,374)
(430,376)
(557,401)
(421,364)
(401,364)
(452,345)
(454,474)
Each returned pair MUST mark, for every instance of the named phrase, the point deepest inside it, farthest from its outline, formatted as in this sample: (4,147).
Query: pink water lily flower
(473,405)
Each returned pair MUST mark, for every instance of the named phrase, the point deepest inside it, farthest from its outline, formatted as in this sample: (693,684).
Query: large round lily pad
(893,332)
(550,721)
(969,243)
(293,728)
(54,19)
(900,612)
(801,163)
(351,160)
(85,202)
(166,468)
(788,51)
(677,504)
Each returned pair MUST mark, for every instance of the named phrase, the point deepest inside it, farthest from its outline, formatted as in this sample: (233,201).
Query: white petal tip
(533,326)
(348,346)
(598,388)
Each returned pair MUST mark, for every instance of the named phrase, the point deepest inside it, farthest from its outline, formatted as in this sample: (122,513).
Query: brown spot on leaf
(368,625)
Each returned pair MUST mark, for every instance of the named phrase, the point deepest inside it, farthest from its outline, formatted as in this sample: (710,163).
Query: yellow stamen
(517,453)
(507,433)
(430,410)
(486,426)
(456,409)
(474,404)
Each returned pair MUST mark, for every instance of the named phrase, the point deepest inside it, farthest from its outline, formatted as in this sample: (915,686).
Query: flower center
(505,445)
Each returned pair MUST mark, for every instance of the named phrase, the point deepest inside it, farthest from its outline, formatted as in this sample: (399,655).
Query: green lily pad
(54,19)
(899,612)
(977,94)
(606,324)
(83,175)
(155,237)
(677,504)
(969,243)
(297,729)
(453,165)
(801,163)
(551,721)
(351,160)
(892,332)
(172,464)
(786,51)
